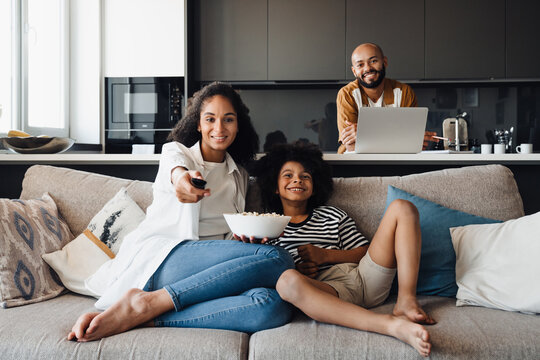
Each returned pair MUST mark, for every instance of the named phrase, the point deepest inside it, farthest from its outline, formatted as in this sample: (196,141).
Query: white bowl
(259,226)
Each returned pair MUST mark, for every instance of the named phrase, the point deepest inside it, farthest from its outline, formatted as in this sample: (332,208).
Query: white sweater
(168,222)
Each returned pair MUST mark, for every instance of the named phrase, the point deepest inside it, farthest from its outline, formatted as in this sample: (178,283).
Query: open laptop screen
(390,130)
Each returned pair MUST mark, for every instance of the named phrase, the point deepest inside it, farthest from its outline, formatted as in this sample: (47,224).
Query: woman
(159,278)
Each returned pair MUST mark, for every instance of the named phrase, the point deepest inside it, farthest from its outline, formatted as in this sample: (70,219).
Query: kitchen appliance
(455,133)
(141,110)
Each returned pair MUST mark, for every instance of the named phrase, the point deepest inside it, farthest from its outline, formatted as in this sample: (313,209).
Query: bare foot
(135,308)
(78,330)
(409,307)
(411,333)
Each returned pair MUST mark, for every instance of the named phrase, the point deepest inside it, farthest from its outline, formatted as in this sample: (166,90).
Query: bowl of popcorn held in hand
(269,225)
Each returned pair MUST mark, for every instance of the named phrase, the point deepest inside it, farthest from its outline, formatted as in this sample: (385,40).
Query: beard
(374,84)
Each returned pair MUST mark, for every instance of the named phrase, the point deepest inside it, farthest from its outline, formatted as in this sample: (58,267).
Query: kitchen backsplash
(310,113)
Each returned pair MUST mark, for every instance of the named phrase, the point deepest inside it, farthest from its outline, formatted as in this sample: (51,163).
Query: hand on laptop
(428,136)
(348,136)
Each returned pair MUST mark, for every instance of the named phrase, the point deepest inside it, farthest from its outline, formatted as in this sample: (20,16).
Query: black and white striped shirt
(327,227)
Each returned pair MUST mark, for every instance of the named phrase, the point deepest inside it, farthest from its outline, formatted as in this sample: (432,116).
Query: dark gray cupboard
(306,39)
(230,40)
(397,26)
(522,39)
(465,39)
(312,40)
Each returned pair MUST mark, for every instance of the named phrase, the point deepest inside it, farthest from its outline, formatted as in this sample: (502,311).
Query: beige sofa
(38,331)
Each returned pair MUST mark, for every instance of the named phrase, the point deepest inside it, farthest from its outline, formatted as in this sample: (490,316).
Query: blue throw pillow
(437,274)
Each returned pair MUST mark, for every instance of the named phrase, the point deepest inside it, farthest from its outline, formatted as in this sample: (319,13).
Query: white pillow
(497,265)
(120,216)
(82,257)
(78,260)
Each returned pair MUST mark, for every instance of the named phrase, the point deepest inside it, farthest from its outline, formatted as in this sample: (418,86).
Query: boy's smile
(295,184)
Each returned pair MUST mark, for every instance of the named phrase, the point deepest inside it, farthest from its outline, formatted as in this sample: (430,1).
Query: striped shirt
(327,227)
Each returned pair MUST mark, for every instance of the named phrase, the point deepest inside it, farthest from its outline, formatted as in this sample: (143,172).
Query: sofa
(38,331)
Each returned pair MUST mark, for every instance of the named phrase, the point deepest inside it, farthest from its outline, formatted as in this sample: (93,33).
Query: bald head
(366,47)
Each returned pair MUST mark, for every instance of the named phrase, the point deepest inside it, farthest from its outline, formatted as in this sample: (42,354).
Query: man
(370,88)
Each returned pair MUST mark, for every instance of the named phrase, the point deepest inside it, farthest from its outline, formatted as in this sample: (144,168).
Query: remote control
(198,183)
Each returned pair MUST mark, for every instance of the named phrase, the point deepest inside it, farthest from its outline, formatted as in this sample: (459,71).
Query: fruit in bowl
(257,225)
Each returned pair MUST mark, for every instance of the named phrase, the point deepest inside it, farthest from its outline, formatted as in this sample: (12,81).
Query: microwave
(141,110)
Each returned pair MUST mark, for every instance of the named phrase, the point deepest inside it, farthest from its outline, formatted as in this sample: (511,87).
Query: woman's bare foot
(411,333)
(135,308)
(409,307)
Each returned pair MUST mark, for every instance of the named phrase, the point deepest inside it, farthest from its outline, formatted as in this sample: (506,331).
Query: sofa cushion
(461,333)
(498,265)
(496,196)
(488,190)
(437,273)
(80,195)
(29,229)
(40,331)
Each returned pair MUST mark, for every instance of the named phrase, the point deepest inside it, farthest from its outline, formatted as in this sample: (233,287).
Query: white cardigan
(168,222)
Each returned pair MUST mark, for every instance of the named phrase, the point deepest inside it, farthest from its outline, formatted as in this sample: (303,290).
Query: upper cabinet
(306,39)
(522,43)
(312,40)
(231,40)
(396,26)
(465,39)
(142,38)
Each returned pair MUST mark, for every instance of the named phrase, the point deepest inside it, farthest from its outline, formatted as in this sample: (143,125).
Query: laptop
(390,130)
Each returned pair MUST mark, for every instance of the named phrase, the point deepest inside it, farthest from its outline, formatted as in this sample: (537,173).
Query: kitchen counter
(332,158)
(144,167)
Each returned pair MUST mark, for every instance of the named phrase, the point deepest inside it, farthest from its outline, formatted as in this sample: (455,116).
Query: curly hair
(268,167)
(246,143)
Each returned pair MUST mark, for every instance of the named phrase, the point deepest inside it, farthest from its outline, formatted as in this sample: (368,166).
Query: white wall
(85,71)
(143,38)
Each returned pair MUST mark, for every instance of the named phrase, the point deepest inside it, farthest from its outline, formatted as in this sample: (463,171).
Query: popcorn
(254,213)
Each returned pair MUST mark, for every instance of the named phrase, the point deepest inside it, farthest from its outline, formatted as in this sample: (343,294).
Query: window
(5,67)
(36,35)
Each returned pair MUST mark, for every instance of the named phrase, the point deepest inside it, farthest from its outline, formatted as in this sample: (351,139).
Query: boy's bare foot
(135,308)
(78,330)
(411,333)
(409,307)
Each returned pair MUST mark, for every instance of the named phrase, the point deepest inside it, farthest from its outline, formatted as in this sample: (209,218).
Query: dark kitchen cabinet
(306,39)
(396,26)
(230,40)
(522,43)
(465,39)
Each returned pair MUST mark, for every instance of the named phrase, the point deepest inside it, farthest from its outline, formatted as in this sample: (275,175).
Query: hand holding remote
(188,185)
(198,183)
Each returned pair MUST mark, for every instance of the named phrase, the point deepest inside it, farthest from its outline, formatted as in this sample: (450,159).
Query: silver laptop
(390,130)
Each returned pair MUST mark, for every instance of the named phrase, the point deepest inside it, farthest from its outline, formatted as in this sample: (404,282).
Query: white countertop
(353,159)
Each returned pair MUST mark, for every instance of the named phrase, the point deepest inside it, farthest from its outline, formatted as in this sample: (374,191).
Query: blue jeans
(223,284)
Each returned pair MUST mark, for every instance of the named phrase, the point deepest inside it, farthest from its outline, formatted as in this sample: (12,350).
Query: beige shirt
(212,224)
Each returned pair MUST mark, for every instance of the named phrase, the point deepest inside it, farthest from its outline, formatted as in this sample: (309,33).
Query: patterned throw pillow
(28,229)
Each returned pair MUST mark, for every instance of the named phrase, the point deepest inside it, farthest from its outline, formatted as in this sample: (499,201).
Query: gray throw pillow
(29,229)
